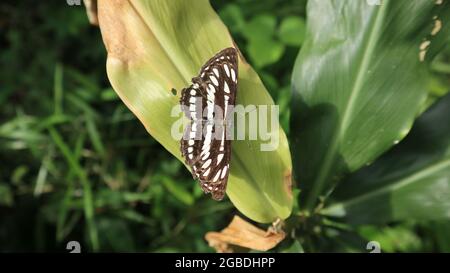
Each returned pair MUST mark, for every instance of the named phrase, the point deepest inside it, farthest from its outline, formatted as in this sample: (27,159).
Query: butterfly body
(206,145)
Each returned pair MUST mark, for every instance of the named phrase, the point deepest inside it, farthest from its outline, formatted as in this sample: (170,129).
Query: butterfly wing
(209,156)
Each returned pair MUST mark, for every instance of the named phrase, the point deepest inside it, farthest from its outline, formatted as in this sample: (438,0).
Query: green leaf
(63,228)
(6,196)
(296,247)
(155,46)
(439,31)
(260,28)
(262,47)
(358,84)
(177,191)
(412,181)
(439,231)
(292,30)
(283,101)
(94,135)
(19,173)
(392,239)
(75,166)
(58,89)
(263,53)
(233,17)
(109,95)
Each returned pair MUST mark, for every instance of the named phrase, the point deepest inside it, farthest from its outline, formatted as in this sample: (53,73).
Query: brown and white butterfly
(205,145)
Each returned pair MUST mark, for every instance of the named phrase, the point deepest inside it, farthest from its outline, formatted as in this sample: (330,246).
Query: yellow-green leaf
(154,46)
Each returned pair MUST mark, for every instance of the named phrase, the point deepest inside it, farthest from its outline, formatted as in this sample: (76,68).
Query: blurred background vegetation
(76,163)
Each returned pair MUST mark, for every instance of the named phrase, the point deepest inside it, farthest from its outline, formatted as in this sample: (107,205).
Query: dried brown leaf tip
(240,233)
(91,11)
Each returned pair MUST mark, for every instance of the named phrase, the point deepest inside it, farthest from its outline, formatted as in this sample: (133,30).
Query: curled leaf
(243,234)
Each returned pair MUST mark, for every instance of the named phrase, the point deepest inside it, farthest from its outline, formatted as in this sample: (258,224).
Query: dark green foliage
(363,76)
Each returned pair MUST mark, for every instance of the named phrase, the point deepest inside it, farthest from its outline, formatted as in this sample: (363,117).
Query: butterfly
(206,145)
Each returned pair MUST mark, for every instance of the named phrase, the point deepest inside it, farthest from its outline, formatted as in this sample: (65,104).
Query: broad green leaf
(358,84)
(154,46)
(411,182)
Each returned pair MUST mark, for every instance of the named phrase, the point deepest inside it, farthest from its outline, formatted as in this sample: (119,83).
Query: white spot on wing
(210,110)
(227,70)
(205,149)
(222,141)
(208,135)
(226,88)
(233,75)
(214,80)
(207,172)
(210,96)
(219,158)
(205,156)
(227,98)
(211,88)
(216,71)
(216,177)
(224,172)
(206,164)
